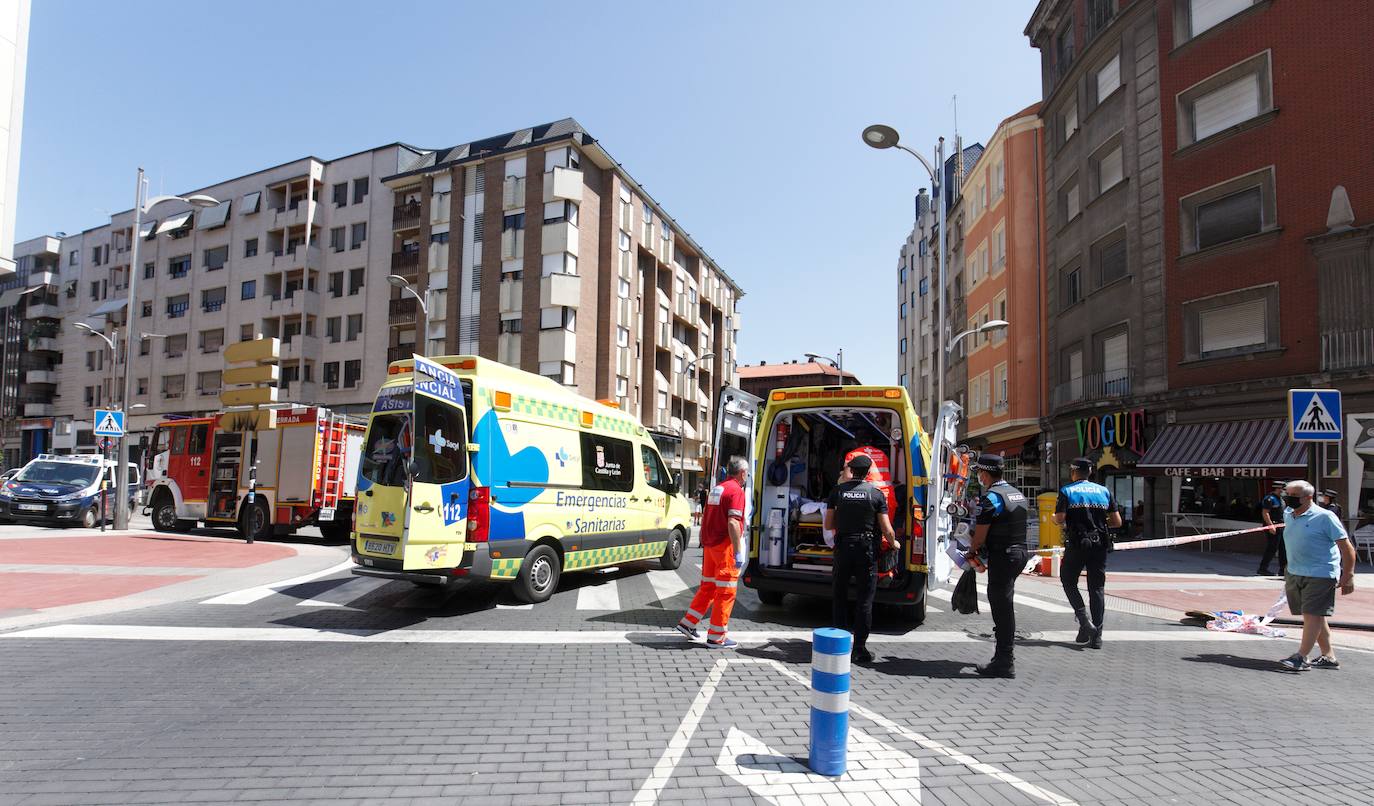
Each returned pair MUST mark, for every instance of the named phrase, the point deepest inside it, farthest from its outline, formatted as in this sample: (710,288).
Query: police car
(62,490)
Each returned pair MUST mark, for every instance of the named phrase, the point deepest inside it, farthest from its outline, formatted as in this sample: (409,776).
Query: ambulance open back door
(939,520)
(736,432)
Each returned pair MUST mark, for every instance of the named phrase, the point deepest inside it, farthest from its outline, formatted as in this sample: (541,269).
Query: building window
(359,190)
(1108,166)
(1234,323)
(902,348)
(510,326)
(1114,358)
(359,235)
(999,179)
(355,281)
(559,372)
(999,387)
(1073,374)
(1232,210)
(331,375)
(147,310)
(1100,14)
(1237,94)
(336,239)
(1068,124)
(332,326)
(211,340)
(623,290)
(355,326)
(178,305)
(174,346)
(1109,258)
(353,372)
(73,258)
(246,333)
(250,247)
(556,211)
(1108,78)
(1192,17)
(622,337)
(438,237)
(212,299)
(208,383)
(341,194)
(215,258)
(999,249)
(513,237)
(179,266)
(149,270)
(561,317)
(248,289)
(1069,201)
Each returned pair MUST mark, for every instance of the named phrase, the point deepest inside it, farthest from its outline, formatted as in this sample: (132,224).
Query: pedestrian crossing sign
(109,423)
(1314,415)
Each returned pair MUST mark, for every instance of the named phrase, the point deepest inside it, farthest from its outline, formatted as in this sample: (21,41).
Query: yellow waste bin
(1051,533)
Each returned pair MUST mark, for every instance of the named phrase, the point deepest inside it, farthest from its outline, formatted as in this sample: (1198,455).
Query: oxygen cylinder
(775,537)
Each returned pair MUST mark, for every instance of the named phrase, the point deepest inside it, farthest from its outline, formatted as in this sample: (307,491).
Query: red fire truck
(200,470)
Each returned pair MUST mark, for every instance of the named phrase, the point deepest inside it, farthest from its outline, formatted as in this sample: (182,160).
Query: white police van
(63,490)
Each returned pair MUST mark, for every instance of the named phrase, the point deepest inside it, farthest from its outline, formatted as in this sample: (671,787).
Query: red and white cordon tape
(1167,541)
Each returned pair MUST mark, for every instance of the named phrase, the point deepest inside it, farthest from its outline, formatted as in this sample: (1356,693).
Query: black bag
(965,598)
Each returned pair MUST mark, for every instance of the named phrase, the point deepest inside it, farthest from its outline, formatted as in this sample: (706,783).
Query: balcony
(39,409)
(560,290)
(557,345)
(1347,349)
(298,257)
(406,264)
(298,301)
(1098,386)
(45,277)
(41,310)
(295,216)
(402,311)
(560,237)
(405,216)
(402,353)
(665,335)
(40,376)
(563,183)
(1000,408)
(43,344)
(512,295)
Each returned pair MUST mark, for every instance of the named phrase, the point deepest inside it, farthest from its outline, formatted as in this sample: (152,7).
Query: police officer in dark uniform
(1086,510)
(1271,511)
(1001,528)
(1329,502)
(857,512)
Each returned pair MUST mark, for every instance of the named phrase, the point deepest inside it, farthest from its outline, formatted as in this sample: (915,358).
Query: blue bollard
(830,649)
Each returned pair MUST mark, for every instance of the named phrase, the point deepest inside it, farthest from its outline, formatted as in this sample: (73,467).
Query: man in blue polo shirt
(1320,558)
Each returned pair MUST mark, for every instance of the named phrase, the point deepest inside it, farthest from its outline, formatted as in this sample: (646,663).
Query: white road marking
(1029,601)
(667,584)
(515,607)
(250,595)
(351,588)
(130,632)
(602,596)
(777,779)
(677,745)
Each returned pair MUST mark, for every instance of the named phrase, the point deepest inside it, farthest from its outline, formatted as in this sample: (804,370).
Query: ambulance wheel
(90,518)
(336,531)
(538,577)
(672,555)
(255,523)
(771,597)
(914,614)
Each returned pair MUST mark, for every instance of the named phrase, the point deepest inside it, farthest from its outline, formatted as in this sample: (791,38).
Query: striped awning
(1243,449)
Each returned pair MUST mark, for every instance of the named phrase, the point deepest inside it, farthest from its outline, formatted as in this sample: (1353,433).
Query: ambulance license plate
(33,507)
(379,546)
(326,513)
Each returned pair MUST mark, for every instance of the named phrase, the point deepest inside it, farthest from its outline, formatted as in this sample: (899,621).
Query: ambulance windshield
(388,449)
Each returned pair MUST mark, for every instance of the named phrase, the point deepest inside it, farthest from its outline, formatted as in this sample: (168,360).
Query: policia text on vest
(1001,529)
(857,512)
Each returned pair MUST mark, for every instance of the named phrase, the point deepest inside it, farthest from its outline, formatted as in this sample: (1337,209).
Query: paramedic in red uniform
(723,555)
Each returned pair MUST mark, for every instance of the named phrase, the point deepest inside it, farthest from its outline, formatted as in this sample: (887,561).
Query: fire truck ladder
(332,463)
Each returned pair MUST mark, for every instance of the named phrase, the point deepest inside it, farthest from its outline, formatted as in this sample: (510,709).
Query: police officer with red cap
(1001,528)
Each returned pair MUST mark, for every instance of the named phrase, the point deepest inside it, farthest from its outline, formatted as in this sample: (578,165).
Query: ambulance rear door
(436,512)
(939,522)
(737,426)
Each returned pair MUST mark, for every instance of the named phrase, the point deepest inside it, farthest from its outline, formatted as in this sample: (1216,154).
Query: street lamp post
(142,204)
(109,379)
(682,428)
(880,136)
(836,363)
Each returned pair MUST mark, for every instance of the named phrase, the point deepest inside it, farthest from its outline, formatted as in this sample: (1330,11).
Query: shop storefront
(1115,441)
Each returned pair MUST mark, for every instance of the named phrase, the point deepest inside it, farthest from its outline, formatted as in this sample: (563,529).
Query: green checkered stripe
(616,425)
(544,409)
(506,568)
(593,558)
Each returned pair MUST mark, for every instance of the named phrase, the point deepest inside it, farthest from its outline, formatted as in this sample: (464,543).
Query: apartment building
(29,354)
(915,270)
(14,58)
(620,302)
(538,249)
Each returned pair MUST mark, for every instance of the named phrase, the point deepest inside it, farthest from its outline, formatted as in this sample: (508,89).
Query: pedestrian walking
(1271,512)
(856,511)
(701,505)
(1320,559)
(1001,528)
(723,555)
(1086,510)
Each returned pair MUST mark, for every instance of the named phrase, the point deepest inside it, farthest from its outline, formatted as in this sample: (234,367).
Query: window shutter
(1226,106)
(1115,356)
(1108,78)
(1230,217)
(1206,13)
(1227,328)
(1109,169)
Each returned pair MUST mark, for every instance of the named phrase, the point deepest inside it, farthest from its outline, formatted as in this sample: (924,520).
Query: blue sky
(741,118)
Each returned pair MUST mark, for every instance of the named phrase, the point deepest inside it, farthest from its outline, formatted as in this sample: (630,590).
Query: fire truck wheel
(165,514)
(672,555)
(538,577)
(255,523)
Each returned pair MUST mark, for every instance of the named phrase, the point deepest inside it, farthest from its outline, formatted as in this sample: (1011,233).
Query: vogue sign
(1122,429)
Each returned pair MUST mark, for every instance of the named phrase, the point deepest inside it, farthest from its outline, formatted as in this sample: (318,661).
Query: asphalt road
(345,689)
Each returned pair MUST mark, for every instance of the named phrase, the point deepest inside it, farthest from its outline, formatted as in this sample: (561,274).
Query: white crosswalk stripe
(1028,601)
(603,596)
(667,584)
(340,595)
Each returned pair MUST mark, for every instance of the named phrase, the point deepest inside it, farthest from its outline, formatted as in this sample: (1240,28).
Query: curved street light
(837,363)
(986,327)
(142,205)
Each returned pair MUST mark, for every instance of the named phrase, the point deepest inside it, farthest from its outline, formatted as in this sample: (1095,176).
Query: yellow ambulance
(475,470)
(799,440)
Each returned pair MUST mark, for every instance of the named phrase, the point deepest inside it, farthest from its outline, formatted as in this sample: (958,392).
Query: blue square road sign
(109,423)
(1314,415)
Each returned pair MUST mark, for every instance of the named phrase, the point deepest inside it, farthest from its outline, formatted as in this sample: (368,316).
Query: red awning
(1243,449)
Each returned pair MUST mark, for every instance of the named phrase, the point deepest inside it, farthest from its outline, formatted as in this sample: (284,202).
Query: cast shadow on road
(1238,662)
(930,669)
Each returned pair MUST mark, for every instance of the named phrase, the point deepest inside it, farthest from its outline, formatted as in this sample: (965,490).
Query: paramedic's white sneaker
(724,643)
(691,632)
